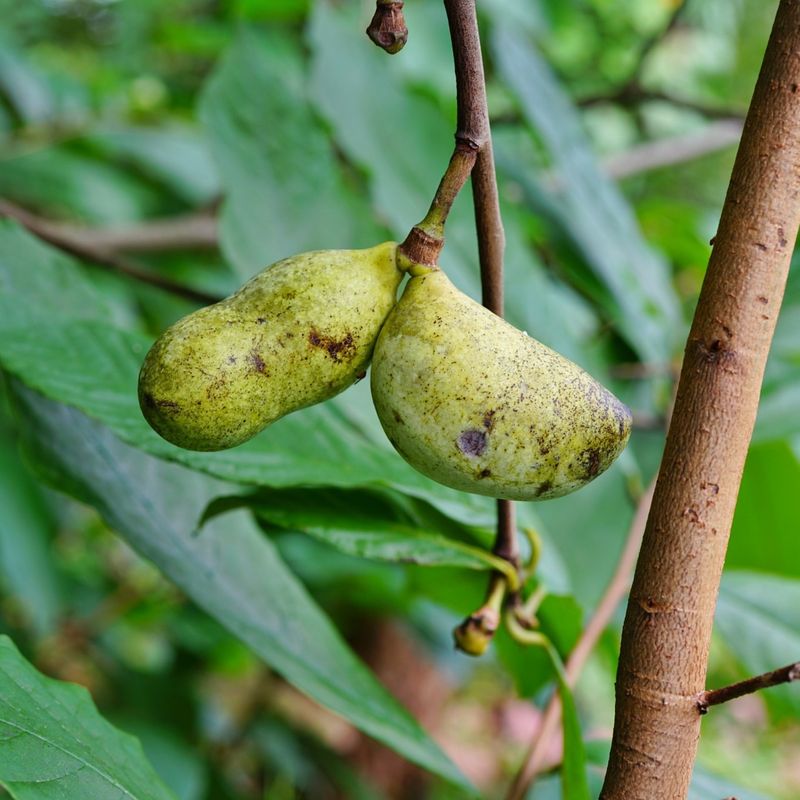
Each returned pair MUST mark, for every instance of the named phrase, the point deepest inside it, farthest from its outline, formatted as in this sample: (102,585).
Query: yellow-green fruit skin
(298,333)
(476,404)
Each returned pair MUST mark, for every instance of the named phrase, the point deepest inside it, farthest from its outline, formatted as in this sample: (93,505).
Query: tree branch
(189,232)
(99,256)
(713,697)
(667,629)
(425,240)
(617,587)
(673,149)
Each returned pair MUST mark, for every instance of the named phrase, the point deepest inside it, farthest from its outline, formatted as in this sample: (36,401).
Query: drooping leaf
(758,616)
(370,524)
(27,571)
(53,742)
(285,191)
(574,781)
(764,534)
(591,208)
(230,569)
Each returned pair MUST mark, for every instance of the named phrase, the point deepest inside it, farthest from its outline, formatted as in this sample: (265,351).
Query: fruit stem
(476,632)
(522,634)
(425,240)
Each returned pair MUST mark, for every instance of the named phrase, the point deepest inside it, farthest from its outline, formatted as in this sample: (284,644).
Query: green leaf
(65,182)
(285,192)
(706,786)
(758,616)
(26,566)
(53,743)
(230,569)
(180,766)
(369,524)
(764,535)
(573,766)
(591,208)
(177,158)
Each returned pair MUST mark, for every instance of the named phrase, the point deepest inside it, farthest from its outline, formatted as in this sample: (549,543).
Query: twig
(634,94)
(713,697)
(100,257)
(667,631)
(673,150)
(189,232)
(613,595)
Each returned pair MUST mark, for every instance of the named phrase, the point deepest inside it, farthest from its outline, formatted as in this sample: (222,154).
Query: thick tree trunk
(668,623)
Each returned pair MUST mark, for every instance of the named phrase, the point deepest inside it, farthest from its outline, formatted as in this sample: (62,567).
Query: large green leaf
(591,208)
(371,524)
(284,187)
(573,766)
(27,571)
(767,520)
(758,616)
(230,569)
(54,744)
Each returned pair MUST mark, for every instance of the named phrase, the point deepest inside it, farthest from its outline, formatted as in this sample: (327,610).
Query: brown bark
(668,623)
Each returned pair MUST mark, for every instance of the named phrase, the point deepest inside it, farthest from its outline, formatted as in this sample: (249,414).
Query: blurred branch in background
(614,594)
(76,244)
(187,232)
(674,150)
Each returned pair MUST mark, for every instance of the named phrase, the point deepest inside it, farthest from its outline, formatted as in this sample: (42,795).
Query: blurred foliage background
(207,139)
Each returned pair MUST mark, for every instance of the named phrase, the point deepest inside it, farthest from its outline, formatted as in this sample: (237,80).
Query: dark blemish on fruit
(591,462)
(231,359)
(544,488)
(472,443)
(623,416)
(337,349)
(151,402)
(484,473)
(397,418)
(261,320)
(168,404)
(761,246)
(762,299)
(361,375)
(782,237)
(256,361)
(488,419)
(793,88)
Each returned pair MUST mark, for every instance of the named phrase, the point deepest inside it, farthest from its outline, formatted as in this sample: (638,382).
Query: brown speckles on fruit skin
(485,408)
(220,375)
(338,349)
